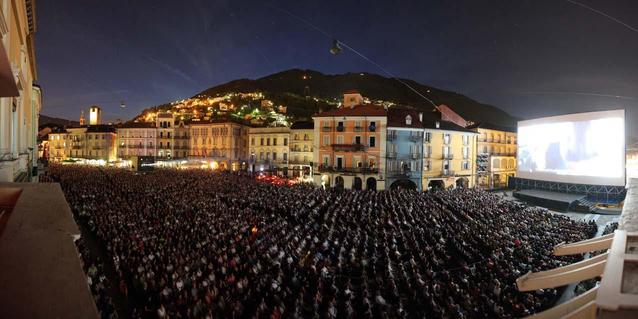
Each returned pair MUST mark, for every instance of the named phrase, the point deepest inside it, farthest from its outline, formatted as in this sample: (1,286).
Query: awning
(8,86)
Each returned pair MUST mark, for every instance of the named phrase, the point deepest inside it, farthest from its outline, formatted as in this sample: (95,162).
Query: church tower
(82,120)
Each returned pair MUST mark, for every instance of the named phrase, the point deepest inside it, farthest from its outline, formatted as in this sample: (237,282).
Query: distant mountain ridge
(56,121)
(301,83)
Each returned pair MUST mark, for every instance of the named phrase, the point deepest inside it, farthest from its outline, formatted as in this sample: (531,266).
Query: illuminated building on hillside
(350,146)
(222,142)
(20,98)
(136,139)
(448,154)
(172,137)
(269,149)
(496,155)
(300,160)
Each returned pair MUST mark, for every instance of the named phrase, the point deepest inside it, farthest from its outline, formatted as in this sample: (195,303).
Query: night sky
(530,58)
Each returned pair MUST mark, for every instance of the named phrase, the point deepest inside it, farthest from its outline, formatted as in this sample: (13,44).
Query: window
(262,141)
(446,138)
(339,139)
(261,155)
(296,137)
(161,134)
(326,160)
(274,141)
(428,137)
(427,165)
(268,141)
(285,156)
(274,156)
(285,141)
(252,141)
(466,151)
(466,165)
(357,139)
(168,144)
(326,140)
(168,134)
(372,141)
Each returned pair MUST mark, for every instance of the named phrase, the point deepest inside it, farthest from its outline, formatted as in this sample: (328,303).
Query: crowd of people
(196,244)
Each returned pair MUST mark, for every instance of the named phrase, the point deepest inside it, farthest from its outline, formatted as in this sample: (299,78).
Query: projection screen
(583,148)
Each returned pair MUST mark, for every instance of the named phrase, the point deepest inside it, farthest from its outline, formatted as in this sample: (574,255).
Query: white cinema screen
(583,148)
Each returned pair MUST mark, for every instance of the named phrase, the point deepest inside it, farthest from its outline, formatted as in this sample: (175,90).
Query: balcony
(399,173)
(358,129)
(447,172)
(340,128)
(427,155)
(372,128)
(326,129)
(76,147)
(448,156)
(350,170)
(181,137)
(392,137)
(348,147)
(415,138)
(391,155)
(415,156)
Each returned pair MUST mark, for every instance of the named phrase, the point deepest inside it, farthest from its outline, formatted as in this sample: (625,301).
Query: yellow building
(448,155)
(96,142)
(20,99)
(300,160)
(222,142)
(496,155)
(268,149)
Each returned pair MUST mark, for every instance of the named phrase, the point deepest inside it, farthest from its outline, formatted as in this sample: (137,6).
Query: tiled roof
(357,110)
(100,129)
(397,118)
(138,125)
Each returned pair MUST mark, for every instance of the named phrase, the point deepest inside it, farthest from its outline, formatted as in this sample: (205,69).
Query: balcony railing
(399,173)
(358,129)
(427,155)
(447,156)
(372,128)
(326,128)
(299,162)
(348,147)
(447,172)
(391,155)
(415,137)
(415,155)
(392,137)
(353,170)
(340,128)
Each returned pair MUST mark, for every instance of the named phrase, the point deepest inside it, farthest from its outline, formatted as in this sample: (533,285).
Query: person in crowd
(196,244)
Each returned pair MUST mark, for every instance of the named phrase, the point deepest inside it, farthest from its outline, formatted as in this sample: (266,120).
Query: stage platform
(552,200)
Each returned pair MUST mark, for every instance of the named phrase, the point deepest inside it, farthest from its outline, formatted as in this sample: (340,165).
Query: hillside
(305,92)
(55,121)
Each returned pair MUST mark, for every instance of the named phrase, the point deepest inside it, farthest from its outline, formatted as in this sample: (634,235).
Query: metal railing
(391,155)
(447,172)
(415,137)
(326,128)
(447,156)
(348,147)
(361,170)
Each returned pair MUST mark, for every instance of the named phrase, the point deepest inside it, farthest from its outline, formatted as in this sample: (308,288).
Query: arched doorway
(357,184)
(403,184)
(339,183)
(371,184)
(436,184)
(462,182)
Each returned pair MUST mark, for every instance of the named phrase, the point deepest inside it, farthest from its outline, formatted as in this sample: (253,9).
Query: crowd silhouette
(196,244)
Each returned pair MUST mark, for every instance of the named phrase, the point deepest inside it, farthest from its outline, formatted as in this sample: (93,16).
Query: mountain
(305,92)
(55,121)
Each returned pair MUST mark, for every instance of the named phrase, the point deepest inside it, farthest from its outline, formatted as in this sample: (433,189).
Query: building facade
(20,99)
(96,142)
(269,149)
(300,160)
(171,137)
(496,155)
(136,139)
(404,150)
(448,154)
(222,143)
(350,147)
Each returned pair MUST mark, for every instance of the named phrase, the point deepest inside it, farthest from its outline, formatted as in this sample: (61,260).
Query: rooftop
(490,126)
(303,125)
(356,110)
